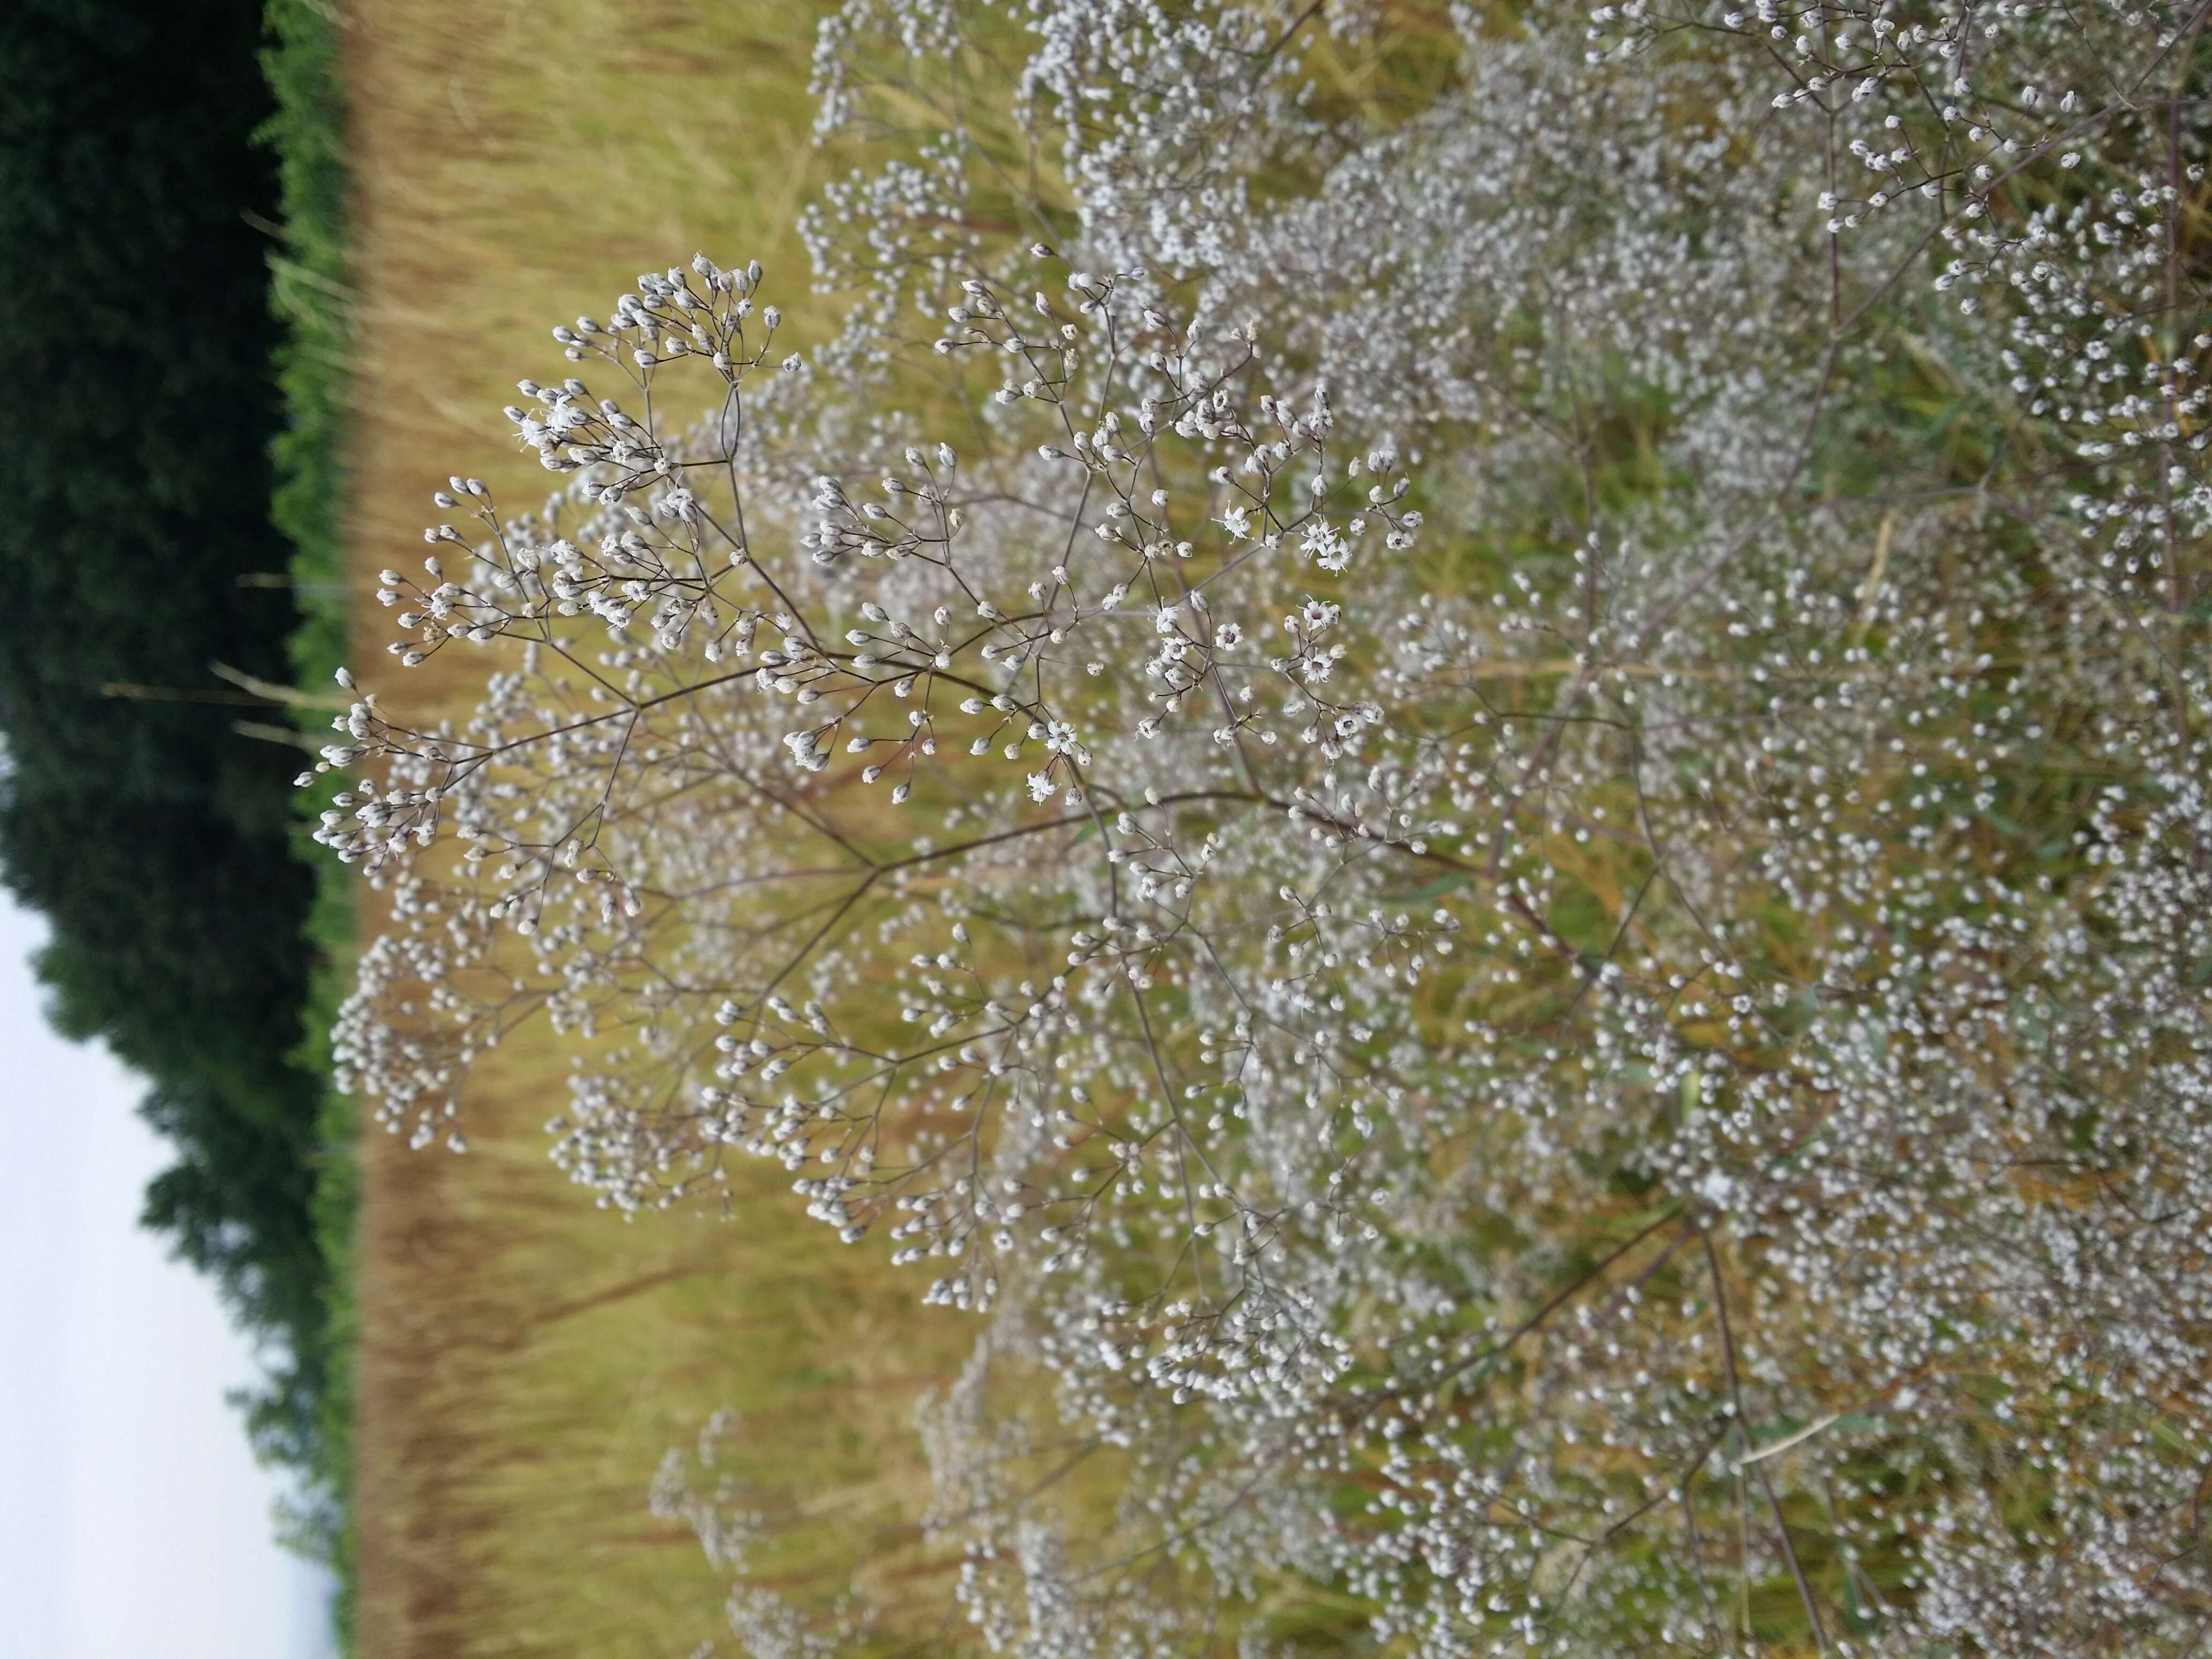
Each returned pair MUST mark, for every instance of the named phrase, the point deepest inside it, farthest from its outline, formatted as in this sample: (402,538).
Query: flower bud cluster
(1515,860)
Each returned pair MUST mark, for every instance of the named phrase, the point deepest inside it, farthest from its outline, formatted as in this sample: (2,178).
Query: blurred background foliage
(146,806)
(245,336)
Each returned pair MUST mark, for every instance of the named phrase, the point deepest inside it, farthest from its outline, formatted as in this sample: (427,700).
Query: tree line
(140,407)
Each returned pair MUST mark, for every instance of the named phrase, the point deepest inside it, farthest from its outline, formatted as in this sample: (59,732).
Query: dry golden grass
(525,1360)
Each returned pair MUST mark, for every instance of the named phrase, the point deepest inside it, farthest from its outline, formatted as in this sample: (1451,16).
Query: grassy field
(523,1361)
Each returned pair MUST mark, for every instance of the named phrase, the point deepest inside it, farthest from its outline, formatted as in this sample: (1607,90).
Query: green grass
(313,304)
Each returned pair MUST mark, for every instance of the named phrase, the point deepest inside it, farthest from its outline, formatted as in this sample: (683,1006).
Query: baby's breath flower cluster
(1518,865)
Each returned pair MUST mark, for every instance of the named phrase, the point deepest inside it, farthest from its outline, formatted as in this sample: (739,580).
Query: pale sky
(134,1523)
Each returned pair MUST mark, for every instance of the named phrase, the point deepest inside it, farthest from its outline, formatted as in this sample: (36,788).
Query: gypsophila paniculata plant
(1515,868)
